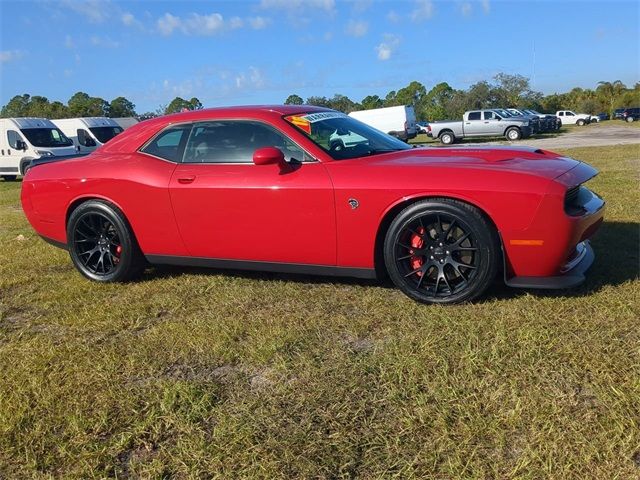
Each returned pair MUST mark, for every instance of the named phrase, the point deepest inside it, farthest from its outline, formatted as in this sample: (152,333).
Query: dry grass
(194,373)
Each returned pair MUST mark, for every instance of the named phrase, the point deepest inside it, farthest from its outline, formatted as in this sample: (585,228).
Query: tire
(580,123)
(9,178)
(630,119)
(101,243)
(441,251)
(24,166)
(513,134)
(447,138)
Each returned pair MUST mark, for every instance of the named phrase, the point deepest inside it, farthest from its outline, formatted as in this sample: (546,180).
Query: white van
(126,122)
(399,122)
(23,139)
(89,133)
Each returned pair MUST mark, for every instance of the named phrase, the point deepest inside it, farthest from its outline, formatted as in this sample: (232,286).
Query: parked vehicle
(571,118)
(617,113)
(89,133)
(24,139)
(480,123)
(631,114)
(126,122)
(599,117)
(537,125)
(422,127)
(399,122)
(549,123)
(441,222)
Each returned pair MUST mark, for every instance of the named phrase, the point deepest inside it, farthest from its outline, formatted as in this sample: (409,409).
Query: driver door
(227,207)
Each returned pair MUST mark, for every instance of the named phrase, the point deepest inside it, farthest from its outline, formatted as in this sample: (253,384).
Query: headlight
(44,153)
(526,124)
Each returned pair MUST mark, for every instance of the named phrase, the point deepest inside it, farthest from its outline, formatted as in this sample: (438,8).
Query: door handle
(186,180)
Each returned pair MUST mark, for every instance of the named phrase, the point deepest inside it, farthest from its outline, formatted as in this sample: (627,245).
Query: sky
(260,52)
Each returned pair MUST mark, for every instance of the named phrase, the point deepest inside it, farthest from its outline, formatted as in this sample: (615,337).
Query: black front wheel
(9,178)
(441,251)
(101,243)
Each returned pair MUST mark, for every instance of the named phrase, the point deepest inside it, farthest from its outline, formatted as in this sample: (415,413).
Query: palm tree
(610,91)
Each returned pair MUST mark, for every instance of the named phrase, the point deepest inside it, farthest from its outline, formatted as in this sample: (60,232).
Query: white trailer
(399,122)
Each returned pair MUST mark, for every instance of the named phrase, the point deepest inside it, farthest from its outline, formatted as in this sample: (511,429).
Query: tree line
(440,102)
(509,91)
(83,105)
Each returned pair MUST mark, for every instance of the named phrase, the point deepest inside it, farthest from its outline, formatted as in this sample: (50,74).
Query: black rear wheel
(101,244)
(441,251)
(9,178)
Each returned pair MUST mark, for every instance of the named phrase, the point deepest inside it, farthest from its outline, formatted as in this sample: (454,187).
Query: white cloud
(129,20)
(68,42)
(326,5)
(466,9)
(486,6)
(388,46)
(235,22)
(357,28)
(168,23)
(211,24)
(95,11)
(393,17)
(10,55)
(104,42)
(423,10)
(258,23)
(254,78)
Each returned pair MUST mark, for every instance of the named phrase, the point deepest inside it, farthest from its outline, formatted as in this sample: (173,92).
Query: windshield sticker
(300,122)
(317,117)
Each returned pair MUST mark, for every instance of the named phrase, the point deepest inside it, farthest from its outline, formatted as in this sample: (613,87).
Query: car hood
(525,160)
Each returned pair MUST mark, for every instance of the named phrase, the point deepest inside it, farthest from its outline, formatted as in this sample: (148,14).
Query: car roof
(141,131)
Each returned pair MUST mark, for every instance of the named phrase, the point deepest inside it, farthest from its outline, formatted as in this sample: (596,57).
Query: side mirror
(269,156)
(21,145)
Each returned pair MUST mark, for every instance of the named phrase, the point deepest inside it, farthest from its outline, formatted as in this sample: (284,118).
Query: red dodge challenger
(309,190)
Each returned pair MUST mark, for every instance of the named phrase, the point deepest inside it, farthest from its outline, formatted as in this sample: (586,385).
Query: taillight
(428,128)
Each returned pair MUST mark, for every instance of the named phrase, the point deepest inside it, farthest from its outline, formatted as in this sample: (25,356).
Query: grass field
(195,373)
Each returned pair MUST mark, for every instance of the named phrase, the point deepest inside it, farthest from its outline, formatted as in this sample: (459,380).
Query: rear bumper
(573,275)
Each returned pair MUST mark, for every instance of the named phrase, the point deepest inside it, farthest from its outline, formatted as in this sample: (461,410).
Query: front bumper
(572,276)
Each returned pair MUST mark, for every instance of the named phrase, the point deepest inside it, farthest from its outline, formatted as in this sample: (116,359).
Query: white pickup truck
(567,117)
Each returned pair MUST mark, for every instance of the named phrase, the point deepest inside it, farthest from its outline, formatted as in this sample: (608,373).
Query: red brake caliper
(118,253)
(416,242)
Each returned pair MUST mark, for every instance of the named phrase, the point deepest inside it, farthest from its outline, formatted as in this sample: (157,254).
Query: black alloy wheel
(441,251)
(101,244)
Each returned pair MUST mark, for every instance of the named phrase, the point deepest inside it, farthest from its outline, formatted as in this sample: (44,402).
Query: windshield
(344,137)
(46,137)
(504,113)
(104,134)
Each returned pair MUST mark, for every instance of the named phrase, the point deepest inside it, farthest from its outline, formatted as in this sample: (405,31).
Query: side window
(489,115)
(169,144)
(561,114)
(474,116)
(229,141)
(13,137)
(570,114)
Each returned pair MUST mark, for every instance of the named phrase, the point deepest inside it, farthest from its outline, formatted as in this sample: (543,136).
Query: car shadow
(616,245)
